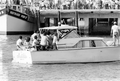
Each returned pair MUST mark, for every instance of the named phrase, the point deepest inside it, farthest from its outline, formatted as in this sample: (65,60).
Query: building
(96,22)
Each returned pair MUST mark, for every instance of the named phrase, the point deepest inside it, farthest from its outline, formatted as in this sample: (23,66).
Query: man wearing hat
(115,32)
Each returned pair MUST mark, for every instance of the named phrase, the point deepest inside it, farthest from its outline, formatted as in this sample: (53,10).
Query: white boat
(72,50)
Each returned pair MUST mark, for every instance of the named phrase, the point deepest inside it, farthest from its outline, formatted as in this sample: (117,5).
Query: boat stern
(22,57)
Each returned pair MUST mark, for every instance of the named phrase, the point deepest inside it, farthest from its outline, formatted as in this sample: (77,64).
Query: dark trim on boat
(16,33)
(18,14)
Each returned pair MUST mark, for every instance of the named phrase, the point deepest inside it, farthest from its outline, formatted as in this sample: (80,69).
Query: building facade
(92,22)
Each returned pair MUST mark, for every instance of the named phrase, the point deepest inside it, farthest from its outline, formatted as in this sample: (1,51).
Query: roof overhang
(59,27)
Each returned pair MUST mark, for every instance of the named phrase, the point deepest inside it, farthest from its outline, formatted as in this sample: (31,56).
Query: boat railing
(31,10)
(22,9)
(2,6)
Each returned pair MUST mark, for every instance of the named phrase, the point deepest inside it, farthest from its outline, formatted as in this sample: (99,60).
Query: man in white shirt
(43,41)
(34,34)
(19,43)
(115,33)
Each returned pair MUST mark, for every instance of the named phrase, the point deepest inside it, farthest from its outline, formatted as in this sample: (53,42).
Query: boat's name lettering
(18,14)
(14,13)
(23,16)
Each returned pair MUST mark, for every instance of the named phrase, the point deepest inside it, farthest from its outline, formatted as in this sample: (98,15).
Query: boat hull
(15,23)
(68,55)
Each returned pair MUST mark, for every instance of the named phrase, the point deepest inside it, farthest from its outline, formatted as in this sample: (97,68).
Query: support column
(59,18)
(76,21)
(86,28)
(76,18)
(39,20)
(118,22)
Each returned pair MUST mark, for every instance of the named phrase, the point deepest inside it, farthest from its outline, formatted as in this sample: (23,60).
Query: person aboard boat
(36,33)
(49,40)
(43,41)
(55,40)
(115,33)
(35,43)
(19,43)
(27,43)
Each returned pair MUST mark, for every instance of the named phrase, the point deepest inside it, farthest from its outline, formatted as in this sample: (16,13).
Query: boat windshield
(90,43)
(84,44)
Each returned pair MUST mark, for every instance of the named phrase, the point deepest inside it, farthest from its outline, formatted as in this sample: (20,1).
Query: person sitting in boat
(35,43)
(115,33)
(27,43)
(55,40)
(36,33)
(19,43)
(43,41)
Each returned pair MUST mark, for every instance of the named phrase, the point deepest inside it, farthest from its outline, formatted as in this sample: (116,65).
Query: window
(92,43)
(78,45)
(86,43)
(99,43)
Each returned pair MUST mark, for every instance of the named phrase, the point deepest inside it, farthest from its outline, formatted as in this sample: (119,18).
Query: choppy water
(109,71)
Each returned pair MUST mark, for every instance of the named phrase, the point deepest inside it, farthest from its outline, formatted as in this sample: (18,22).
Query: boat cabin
(84,42)
(63,31)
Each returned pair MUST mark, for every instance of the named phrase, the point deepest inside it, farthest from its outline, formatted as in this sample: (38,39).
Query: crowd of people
(66,4)
(30,7)
(79,4)
(39,41)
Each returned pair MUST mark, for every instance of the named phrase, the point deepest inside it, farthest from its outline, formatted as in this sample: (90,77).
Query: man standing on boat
(44,40)
(115,32)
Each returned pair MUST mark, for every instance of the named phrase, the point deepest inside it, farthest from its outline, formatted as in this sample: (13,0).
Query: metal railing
(2,6)
(31,10)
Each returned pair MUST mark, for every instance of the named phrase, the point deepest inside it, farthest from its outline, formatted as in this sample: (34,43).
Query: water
(109,71)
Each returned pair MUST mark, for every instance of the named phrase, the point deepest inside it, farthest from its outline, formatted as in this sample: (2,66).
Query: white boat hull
(68,56)
(12,25)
